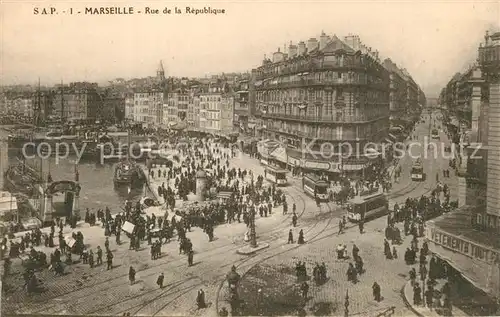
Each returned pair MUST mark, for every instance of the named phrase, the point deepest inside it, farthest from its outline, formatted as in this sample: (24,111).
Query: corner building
(326,92)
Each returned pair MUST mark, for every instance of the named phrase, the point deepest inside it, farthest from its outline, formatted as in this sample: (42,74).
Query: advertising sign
(128,227)
(317,165)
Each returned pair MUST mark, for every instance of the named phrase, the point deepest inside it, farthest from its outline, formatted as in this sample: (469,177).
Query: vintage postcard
(249,158)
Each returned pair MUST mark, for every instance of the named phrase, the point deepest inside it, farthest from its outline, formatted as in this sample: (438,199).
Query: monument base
(248,250)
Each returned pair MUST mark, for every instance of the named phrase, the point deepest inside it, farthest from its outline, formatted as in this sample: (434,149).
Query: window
(338,116)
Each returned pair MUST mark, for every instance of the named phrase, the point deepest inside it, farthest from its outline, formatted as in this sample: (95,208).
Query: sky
(431,39)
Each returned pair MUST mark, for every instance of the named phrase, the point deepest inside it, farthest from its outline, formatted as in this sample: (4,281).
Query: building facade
(177,106)
(397,92)
(129,107)
(327,91)
(216,109)
(469,238)
(242,104)
(148,107)
(112,109)
(77,101)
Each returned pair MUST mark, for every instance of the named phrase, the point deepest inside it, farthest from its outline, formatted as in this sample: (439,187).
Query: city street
(97,291)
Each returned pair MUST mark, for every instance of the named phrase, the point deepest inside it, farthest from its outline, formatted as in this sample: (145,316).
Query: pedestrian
(109,257)
(429,294)
(200,299)
(423,272)
(131,275)
(290,236)
(417,295)
(361,226)
(304,289)
(294,220)
(160,279)
(99,255)
(355,251)
(376,291)
(300,240)
(190,257)
(91,259)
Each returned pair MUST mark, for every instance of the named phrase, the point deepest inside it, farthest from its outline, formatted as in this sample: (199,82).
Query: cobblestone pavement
(391,275)
(97,291)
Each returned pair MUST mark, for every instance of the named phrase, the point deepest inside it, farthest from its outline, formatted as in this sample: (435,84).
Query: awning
(280,154)
(251,125)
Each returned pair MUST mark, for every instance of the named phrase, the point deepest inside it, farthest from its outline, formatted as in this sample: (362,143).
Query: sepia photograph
(250,158)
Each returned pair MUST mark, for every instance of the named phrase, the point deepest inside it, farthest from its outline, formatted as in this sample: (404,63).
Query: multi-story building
(43,106)
(77,101)
(242,104)
(146,105)
(326,91)
(177,106)
(216,108)
(129,107)
(112,109)
(398,93)
(469,238)
(193,112)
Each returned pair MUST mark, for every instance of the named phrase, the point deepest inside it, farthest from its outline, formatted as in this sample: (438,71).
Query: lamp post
(346,304)
(253,234)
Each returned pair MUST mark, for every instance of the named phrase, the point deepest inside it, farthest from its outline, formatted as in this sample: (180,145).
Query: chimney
(292,50)
(302,48)
(323,40)
(278,56)
(312,44)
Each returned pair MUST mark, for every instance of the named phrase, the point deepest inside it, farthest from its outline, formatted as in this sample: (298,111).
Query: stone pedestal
(201,185)
(76,206)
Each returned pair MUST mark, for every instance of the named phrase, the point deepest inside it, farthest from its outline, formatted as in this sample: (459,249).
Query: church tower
(160,73)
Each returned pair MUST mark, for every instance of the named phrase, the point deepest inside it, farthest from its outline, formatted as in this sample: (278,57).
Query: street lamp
(346,304)
(253,234)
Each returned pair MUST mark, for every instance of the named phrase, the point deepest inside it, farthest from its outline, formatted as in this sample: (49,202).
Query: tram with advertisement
(417,171)
(368,205)
(314,186)
(276,175)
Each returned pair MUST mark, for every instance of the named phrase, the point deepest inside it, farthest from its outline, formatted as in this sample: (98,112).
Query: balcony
(309,68)
(326,119)
(489,57)
(315,135)
(323,82)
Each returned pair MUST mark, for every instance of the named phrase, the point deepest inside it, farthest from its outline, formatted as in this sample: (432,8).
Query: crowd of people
(248,198)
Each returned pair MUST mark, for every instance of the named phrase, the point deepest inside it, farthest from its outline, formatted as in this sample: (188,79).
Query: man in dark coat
(160,279)
(376,291)
(290,236)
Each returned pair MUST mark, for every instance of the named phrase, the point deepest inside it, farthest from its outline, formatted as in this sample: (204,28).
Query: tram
(417,171)
(314,186)
(367,206)
(276,175)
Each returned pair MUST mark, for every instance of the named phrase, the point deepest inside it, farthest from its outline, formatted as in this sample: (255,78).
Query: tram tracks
(237,264)
(221,250)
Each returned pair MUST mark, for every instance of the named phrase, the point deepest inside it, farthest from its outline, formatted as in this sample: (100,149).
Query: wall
(493,191)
